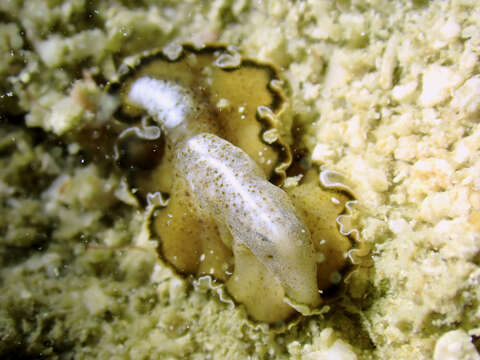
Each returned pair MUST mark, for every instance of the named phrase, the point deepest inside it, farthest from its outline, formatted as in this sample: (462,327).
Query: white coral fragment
(438,82)
(455,345)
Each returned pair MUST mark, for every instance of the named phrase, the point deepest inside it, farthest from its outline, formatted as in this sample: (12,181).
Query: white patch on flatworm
(233,189)
(168,103)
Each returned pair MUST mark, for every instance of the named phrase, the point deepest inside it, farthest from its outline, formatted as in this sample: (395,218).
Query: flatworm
(202,127)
